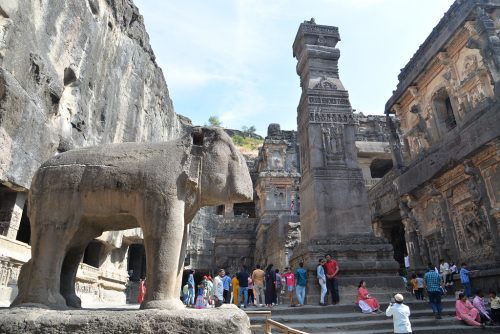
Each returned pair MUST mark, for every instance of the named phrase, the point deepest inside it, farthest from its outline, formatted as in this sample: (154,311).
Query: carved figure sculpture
(159,187)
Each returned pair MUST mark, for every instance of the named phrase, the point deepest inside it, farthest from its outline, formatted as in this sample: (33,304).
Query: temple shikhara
(384,194)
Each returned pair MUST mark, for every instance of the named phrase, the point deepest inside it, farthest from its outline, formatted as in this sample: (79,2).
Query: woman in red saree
(365,301)
(466,312)
(142,291)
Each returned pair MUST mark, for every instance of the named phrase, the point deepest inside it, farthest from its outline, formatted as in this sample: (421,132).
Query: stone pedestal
(335,216)
(226,319)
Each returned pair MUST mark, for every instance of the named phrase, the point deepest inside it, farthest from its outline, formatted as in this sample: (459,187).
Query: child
(495,307)
(414,286)
(420,285)
(290,283)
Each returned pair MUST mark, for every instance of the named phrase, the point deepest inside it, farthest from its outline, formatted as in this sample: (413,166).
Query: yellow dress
(236,285)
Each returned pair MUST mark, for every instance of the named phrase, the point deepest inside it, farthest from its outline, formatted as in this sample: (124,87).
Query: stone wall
(81,75)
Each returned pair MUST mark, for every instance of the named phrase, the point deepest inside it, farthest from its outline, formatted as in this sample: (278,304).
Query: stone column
(11,211)
(335,216)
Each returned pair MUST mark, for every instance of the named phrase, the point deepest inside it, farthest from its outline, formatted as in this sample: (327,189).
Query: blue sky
(233,58)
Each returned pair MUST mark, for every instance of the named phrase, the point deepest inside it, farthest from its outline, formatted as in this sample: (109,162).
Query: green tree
(247,130)
(215,121)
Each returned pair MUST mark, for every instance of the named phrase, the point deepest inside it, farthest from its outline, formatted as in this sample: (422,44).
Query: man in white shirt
(219,288)
(400,314)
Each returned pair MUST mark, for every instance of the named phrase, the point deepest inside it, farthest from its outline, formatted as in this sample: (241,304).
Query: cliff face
(72,74)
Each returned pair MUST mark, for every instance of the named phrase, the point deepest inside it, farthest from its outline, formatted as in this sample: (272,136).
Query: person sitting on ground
(400,314)
(366,303)
(480,304)
(495,307)
(466,312)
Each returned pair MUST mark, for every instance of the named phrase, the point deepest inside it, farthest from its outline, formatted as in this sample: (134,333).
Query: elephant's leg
(41,277)
(163,235)
(70,265)
(182,256)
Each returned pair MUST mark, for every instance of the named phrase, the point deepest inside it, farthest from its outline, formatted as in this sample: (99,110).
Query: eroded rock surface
(226,319)
(81,75)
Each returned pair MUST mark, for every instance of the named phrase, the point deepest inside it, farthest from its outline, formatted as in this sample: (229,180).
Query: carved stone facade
(278,202)
(446,145)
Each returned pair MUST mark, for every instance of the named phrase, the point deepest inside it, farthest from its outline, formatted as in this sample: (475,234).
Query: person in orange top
(236,285)
(365,301)
(142,290)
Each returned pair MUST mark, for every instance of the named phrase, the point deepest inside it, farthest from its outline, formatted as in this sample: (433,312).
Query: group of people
(261,287)
(438,281)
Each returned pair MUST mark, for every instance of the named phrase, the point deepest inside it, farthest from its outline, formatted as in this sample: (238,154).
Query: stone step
(343,308)
(442,329)
(345,317)
(377,326)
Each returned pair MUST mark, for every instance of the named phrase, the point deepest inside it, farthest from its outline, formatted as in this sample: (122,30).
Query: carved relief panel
(332,136)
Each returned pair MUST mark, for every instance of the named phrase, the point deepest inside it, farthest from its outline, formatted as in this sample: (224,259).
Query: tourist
(206,289)
(414,286)
(270,286)
(320,271)
(290,283)
(480,304)
(191,285)
(200,299)
(251,292)
(142,290)
(444,270)
(279,286)
(242,277)
(301,283)
(258,284)
(226,280)
(400,314)
(236,285)
(219,288)
(185,294)
(466,312)
(495,307)
(433,285)
(420,284)
(331,270)
(465,279)
(366,303)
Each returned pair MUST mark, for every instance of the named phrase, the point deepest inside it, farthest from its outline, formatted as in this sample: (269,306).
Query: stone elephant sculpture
(77,195)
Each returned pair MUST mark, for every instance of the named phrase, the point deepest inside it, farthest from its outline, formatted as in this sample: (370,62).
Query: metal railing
(270,324)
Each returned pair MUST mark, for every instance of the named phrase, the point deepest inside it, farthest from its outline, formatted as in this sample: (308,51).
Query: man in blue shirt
(300,283)
(433,285)
(226,281)
(465,280)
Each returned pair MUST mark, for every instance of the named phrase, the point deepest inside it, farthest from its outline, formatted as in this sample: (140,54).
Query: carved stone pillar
(335,217)
(11,212)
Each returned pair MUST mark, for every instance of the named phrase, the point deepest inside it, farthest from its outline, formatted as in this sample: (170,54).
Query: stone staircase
(347,318)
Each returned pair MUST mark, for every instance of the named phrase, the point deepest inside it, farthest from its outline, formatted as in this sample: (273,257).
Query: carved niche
(333,142)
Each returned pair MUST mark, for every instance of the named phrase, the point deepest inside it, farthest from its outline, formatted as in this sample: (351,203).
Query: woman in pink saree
(365,301)
(466,312)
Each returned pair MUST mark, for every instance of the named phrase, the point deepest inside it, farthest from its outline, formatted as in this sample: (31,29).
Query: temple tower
(335,216)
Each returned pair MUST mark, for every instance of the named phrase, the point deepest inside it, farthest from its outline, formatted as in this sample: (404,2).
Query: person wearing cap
(400,314)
